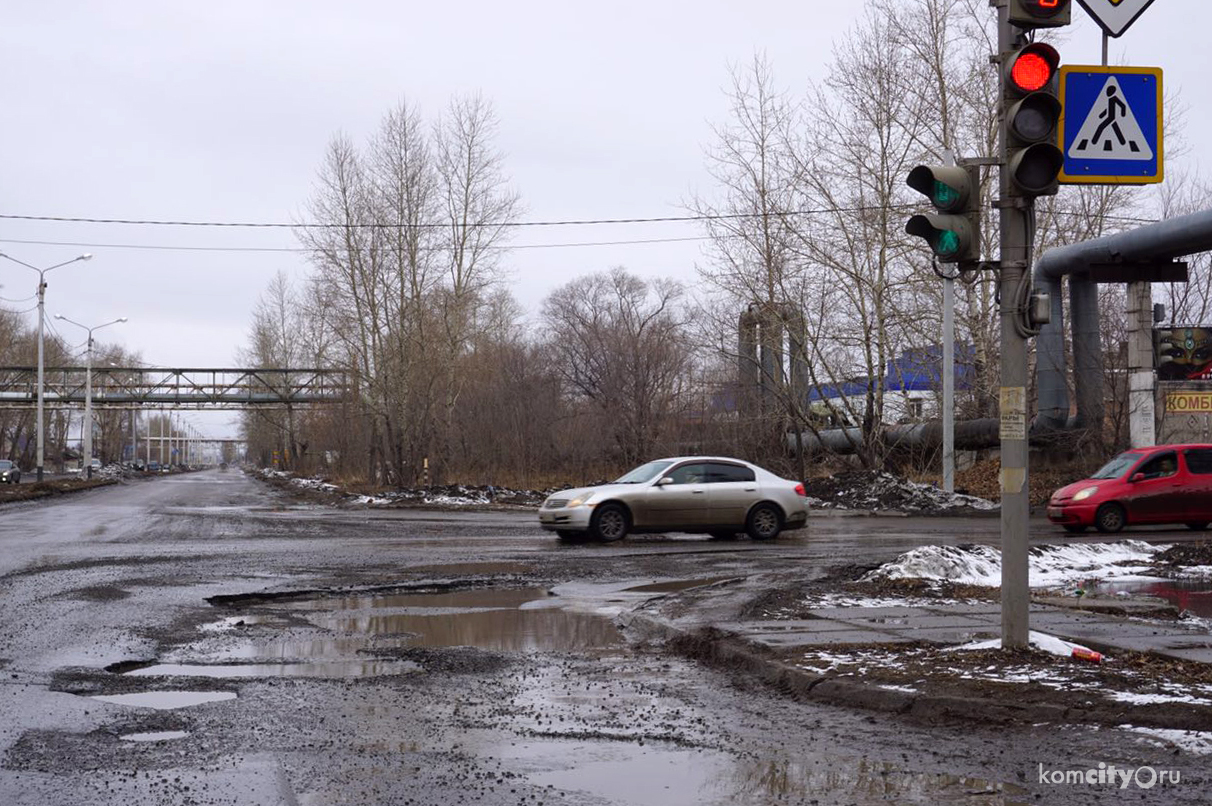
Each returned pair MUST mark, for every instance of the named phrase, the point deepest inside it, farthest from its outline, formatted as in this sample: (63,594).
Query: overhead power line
(303,250)
(686,219)
(438,225)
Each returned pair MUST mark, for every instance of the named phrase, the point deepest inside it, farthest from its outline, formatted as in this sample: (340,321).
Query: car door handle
(698,492)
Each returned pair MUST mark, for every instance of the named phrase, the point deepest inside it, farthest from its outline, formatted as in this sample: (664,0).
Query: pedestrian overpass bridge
(184,388)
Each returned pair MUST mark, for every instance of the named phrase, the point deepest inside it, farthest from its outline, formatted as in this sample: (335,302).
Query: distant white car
(702,494)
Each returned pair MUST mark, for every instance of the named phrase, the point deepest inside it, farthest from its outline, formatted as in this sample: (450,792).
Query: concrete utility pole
(1142,418)
(87,436)
(1015,269)
(38,421)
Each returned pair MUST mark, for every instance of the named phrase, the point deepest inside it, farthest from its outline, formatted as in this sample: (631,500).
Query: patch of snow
(1143,698)
(1042,641)
(1050,566)
(1196,742)
(905,689)
(847,600)
(1196,572)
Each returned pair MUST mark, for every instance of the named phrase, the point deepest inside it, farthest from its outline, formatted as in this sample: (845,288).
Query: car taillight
(800,491)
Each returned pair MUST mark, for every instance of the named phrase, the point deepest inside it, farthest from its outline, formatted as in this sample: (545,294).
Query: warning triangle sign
(1110,131)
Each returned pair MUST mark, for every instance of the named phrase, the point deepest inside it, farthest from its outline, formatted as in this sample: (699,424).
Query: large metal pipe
(970,435)
(1164,240)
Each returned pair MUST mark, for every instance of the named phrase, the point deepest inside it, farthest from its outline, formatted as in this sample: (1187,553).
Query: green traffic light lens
(946,243)
(945,196)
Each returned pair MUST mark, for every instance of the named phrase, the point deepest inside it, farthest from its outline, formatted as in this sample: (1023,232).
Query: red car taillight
(800,491)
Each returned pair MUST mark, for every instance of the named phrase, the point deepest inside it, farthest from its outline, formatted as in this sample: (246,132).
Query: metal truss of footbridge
(133,387)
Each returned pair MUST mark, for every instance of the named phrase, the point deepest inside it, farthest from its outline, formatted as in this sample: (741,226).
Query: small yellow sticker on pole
(1013,408)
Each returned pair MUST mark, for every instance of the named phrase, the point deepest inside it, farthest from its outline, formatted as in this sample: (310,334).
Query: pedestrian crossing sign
(1111,125)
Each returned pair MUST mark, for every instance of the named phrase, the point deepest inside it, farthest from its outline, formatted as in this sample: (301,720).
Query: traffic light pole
(1015,269)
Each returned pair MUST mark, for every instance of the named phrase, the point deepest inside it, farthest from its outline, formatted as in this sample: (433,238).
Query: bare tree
(619,344)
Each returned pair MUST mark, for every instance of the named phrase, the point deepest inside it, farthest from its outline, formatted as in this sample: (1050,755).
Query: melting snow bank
(1050,565)
(452,495)
(1041,641)
(875,490)
(1192,741)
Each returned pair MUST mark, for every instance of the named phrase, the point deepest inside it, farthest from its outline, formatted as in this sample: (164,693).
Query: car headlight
(583,501)
(1085,493)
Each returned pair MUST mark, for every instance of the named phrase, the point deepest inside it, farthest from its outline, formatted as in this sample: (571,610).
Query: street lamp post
(41,330)
(88,390)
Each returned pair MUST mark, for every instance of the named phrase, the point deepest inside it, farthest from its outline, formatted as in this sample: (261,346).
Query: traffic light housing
(954,231)
(1033,112)
(1028,14)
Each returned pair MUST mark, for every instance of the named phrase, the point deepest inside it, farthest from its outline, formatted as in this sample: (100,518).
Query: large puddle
(1193,595)
(506,620)
(657,776)
(165,700)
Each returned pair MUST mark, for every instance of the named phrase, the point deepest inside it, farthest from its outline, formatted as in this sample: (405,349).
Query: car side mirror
(665,480)
(1137,477)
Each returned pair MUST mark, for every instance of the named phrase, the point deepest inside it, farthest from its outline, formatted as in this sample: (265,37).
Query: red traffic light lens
(1045,8)
(1031,71)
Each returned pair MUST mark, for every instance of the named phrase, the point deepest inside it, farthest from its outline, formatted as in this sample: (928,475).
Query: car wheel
(609,523)
(1197,527)
(717,535)
(1073,528)
(1110,518)
(765,522)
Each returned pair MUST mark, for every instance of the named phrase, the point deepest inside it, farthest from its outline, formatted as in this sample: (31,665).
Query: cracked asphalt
(284,653)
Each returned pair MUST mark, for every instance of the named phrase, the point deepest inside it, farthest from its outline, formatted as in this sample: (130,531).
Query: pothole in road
(165,700)
(387,634)
(503,620)
(662,776)
(676,585)
(157,736)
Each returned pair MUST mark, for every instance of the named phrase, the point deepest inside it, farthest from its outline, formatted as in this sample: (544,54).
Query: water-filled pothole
(505,620)
(665,776)
(1194,595)
(157,736)
(676,585)
(165,700)
(351,668)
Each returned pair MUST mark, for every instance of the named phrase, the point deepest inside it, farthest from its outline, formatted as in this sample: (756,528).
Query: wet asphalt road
(418,657)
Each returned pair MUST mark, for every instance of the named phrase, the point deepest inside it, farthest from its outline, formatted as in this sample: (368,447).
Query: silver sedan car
(707,494)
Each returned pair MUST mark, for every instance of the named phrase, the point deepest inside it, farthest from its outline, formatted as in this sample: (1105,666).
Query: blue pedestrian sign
(1111,125)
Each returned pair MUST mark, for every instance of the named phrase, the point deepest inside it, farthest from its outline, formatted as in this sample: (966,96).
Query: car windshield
(643,473)
(1117,466)
(5,464)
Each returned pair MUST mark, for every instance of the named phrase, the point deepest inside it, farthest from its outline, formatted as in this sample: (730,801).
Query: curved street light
(88,389)
(41,330)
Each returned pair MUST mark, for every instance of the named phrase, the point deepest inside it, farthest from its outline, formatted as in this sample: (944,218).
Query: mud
(629,722)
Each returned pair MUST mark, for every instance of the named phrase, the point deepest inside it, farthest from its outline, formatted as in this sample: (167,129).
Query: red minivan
(1163,484)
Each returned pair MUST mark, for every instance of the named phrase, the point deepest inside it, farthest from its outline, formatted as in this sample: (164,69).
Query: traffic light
(1033,111)
(954,232)
(1040,13)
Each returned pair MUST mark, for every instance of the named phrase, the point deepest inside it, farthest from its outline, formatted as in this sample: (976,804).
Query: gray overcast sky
(221,111)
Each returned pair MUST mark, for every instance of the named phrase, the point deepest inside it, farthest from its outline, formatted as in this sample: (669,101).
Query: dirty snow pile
(454,495)
(1039,640)
(451,495)
(874,490)
(1050,566)
(303,484)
